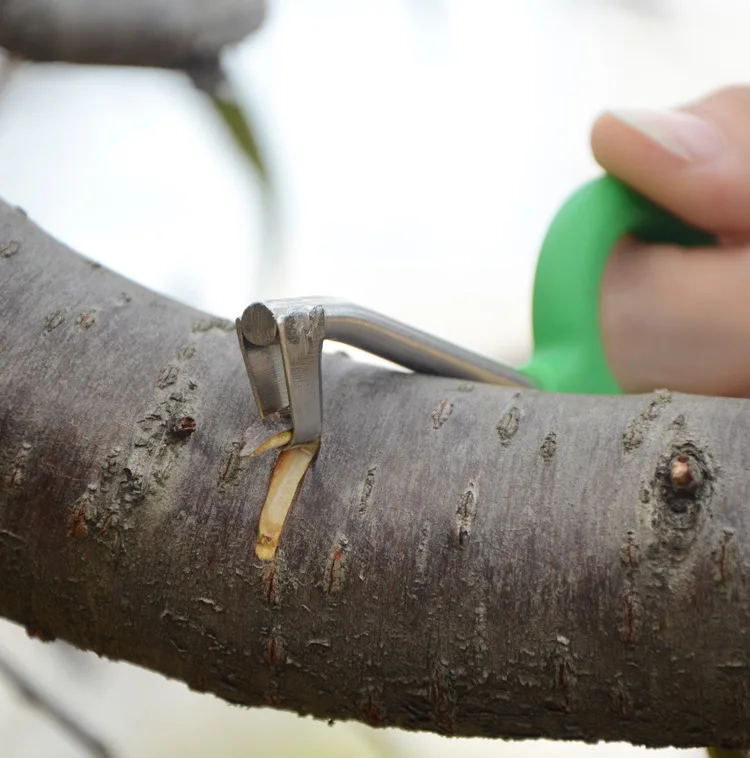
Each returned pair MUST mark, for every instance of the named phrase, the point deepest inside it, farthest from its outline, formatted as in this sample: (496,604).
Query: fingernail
(687,136)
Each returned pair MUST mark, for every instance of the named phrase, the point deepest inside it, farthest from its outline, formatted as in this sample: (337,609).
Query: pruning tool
(282,340)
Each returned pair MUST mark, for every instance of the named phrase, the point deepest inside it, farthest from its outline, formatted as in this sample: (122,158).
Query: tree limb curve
(467,560)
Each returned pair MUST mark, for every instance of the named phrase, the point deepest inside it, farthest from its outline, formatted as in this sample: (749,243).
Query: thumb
(694,161)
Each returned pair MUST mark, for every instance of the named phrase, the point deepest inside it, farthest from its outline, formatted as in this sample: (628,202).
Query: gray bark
(159,33)
(465,560)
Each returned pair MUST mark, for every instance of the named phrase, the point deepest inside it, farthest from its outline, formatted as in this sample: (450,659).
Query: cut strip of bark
(269,433)
(288,472)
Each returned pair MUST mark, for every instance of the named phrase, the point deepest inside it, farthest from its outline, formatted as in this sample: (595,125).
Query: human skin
(673,317)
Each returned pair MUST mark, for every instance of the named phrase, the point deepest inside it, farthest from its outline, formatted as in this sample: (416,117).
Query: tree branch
(466,560)
(158,33)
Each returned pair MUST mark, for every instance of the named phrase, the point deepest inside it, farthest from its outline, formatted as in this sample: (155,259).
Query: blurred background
(417,151)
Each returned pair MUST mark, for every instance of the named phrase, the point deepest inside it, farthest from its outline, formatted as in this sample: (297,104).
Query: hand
(673,317)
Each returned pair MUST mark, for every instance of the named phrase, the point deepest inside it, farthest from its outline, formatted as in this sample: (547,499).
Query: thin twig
(67,723)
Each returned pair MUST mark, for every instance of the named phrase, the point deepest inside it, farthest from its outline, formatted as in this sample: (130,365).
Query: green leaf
(240,125)
(241,129)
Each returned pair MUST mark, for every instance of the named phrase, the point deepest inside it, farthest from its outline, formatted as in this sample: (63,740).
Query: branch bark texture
(462,559)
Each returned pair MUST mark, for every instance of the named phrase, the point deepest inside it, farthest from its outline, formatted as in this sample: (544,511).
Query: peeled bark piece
(524,569)
(159,33)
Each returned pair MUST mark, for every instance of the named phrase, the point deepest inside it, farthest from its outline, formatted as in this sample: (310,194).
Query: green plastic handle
(568,351)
